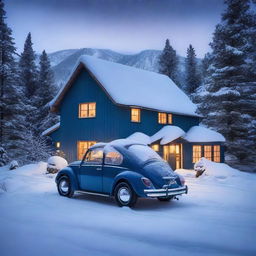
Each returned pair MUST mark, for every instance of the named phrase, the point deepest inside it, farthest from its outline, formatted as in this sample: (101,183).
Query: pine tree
(46,91)
(191,70)
(12,120)
(168,62)
(28,69)
(224,104)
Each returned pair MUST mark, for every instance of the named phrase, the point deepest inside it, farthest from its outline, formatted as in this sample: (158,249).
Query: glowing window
(82,147)
(94,156)
(155,147)
(169,118)
(162,118)
(87,110)
(197,153)
(208,152)
(57,144)
(113,158)
(216,153)
(135,115)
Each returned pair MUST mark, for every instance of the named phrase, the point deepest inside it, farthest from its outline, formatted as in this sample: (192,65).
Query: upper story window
(135,115)
(164,118)
(87,110)
(169,118)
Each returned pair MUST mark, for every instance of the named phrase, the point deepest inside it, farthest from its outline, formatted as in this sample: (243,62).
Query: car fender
(68,171)
(134,179)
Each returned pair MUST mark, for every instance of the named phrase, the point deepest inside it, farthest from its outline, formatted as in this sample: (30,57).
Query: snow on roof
(134,87)
(202,134)
(51,129)
(140,137)
(167,134)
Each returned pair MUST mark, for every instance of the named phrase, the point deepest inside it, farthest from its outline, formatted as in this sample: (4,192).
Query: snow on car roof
(167,134)
(203,134)
(140,137)
(134,87)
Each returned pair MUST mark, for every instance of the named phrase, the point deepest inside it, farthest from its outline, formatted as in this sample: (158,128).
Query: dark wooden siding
(111,121)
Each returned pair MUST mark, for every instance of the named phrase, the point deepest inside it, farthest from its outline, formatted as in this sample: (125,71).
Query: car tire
(65,187)
(165,199)
(125,195)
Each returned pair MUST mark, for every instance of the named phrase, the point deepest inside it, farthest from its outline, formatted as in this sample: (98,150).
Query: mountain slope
(64,61)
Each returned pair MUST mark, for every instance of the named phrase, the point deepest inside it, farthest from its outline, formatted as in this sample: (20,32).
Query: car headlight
(146,182)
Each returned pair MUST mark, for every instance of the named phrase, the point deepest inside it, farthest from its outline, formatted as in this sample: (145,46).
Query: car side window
(94,156)
(113,157)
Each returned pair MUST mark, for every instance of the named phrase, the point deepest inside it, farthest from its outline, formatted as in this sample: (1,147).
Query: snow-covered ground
(217,217)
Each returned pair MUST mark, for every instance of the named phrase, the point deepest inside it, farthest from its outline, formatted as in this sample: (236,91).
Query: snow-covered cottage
(103,101)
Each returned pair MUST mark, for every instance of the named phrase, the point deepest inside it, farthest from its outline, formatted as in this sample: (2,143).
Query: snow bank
(140,138)
(136,87)
(213,170)
(168,134)
(202,134)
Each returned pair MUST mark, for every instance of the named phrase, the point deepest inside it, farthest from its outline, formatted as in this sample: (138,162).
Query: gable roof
(130,86)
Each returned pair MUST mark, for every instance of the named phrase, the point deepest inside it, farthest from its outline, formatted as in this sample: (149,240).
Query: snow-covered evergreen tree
(12,120)
(168,62)
(191,71)
(228,84)
(46,91)
(28,69)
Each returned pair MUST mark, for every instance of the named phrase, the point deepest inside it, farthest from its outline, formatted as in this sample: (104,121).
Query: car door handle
(99,169)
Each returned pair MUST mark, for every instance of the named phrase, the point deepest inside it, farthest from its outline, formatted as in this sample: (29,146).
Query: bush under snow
(56,163)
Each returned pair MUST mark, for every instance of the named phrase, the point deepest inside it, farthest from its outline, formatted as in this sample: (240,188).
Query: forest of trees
(25,90)
(222,84)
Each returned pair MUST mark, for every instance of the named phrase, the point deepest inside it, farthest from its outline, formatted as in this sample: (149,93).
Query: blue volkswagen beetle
(124,170)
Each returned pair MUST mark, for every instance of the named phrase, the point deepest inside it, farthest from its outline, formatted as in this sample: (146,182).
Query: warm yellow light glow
(135,115)
(82,147)
(208,152)
(87,110)
(197,153)
(57,144)
(216,153)
(169,118)
(162,118)
(155,147)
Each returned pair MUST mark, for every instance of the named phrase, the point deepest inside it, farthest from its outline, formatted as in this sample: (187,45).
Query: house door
(173,155)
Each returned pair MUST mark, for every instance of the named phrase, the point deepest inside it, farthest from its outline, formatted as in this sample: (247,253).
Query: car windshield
(144,153)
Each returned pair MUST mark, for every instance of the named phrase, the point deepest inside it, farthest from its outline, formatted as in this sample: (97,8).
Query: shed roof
(130,86)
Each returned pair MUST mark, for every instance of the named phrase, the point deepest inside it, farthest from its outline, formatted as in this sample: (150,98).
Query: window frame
(88,142)
(139,115)
(160,119)
(170,118)
(209,157)
(87,109)
(194,157)
(216,154)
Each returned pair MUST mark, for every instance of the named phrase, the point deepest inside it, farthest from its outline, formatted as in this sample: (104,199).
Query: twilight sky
(122,25)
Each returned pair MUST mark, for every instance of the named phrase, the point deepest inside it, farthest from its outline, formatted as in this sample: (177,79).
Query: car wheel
(64,187)
(125,195)
(165,199)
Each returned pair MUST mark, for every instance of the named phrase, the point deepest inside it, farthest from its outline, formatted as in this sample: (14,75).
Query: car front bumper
(165,192)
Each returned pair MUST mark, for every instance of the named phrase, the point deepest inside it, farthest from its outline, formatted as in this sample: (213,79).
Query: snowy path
(217,217)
